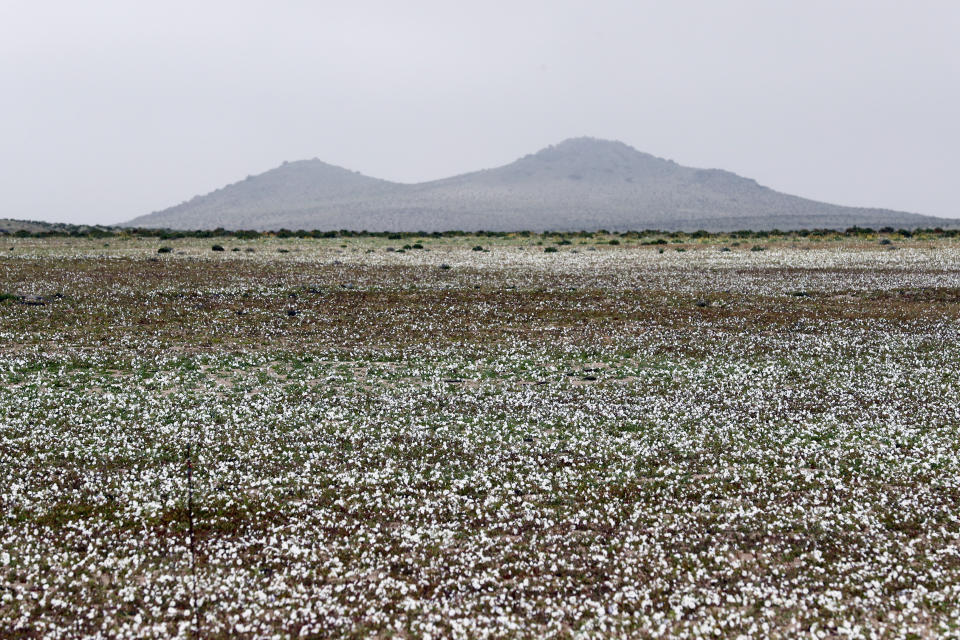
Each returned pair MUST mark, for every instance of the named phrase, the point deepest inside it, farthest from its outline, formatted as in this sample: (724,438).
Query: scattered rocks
(31,300)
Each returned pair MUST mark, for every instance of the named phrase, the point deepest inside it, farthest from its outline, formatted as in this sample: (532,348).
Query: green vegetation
(43,230)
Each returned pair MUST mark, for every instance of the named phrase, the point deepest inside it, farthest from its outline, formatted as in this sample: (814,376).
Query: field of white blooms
(500,442)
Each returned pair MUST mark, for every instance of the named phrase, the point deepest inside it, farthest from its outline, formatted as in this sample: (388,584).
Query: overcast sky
(110,110)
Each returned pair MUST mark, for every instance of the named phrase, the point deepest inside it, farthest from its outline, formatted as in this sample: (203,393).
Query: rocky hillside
(9,226)
(581,183)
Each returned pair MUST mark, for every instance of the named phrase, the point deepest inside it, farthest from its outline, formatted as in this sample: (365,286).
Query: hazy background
(114,109)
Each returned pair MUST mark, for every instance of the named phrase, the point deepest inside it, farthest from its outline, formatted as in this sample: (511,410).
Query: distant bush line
(653,236)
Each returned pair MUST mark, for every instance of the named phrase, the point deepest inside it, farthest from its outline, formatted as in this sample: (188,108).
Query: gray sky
(114,109)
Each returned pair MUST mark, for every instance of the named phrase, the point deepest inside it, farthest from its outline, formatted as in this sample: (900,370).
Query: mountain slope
(9,226)
(581,183)
(292,186)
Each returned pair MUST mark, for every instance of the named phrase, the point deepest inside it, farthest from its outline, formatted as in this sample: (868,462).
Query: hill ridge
(579,183)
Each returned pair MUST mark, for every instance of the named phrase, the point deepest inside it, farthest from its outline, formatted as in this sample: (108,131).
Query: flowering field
(479,438)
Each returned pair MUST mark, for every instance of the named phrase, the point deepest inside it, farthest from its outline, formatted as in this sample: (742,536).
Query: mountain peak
(594,158)
(591,143)
(578,183)
(589,147)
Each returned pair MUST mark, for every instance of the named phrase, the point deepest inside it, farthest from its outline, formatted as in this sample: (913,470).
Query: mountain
(292,189)
(10,226)
(581,183)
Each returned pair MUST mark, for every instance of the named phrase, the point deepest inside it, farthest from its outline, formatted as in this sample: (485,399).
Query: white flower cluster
(611,443)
